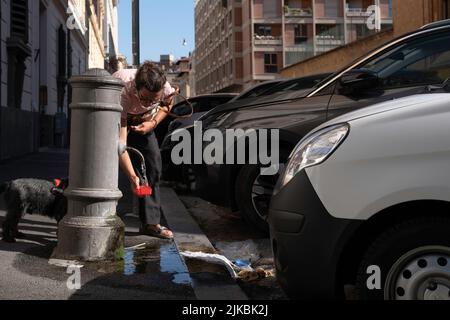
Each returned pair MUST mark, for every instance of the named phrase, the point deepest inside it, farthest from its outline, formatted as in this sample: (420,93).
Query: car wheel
(253,193)
(413,259)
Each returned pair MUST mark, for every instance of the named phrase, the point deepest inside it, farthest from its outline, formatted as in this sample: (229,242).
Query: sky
(164,26)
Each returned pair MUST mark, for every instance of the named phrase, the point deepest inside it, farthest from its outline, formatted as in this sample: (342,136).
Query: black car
(201,104)
(178,173)
(257,90)
(405,66)
(183,108)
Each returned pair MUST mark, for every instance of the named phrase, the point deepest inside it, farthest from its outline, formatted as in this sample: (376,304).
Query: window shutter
(19,19)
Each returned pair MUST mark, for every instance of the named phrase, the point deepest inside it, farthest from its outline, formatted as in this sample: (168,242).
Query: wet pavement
(233,238)
(151,268)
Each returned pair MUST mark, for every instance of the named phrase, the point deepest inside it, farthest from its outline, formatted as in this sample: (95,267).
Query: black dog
(32,196)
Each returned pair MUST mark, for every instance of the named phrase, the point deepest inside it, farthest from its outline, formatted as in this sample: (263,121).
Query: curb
(213,282)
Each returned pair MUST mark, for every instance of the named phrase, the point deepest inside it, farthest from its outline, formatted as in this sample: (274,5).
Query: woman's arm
(150,125)
(168,104)
(125,161)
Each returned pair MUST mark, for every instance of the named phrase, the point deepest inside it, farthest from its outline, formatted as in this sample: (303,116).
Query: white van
(365,201)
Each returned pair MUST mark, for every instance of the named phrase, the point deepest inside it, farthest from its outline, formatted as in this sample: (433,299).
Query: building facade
(43,44)
(408,15)
(182,80)
(242,42)
(103,34)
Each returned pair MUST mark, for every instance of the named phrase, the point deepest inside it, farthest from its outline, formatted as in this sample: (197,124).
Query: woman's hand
(135,183)
(145,127)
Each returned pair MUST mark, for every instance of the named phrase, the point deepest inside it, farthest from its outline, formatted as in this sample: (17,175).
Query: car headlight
(314,150)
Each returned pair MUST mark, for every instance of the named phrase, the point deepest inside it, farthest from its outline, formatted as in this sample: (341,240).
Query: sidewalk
(25,273)
(154,272)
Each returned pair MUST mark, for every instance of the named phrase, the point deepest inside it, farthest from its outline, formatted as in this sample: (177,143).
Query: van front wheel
(410,261)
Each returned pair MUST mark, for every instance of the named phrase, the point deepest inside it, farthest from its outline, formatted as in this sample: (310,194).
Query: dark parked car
(402,67)
(178,173)
(201,105)
(257,90)
(252,92)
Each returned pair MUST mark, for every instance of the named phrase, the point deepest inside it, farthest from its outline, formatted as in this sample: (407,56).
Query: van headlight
(314,150)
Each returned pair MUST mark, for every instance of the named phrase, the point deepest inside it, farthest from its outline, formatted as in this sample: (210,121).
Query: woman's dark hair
(150,77)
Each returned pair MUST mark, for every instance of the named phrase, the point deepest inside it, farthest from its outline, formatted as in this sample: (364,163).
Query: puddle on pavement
(146,259)
(137,261)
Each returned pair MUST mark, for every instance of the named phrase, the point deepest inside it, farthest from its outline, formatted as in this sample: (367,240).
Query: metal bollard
(91,230)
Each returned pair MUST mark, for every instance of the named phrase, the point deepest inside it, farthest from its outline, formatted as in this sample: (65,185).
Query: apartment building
(103,34)
(43,44)
(242,42)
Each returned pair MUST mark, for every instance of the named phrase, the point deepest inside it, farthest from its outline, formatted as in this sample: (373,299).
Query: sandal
(158,233)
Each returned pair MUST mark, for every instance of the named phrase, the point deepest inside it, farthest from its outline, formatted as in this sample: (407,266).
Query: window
(263,30)
(300,33)
(183,109)
(296,84)
(61,80)
(421,61)
(258,90)
(18,51)
(329,31)
(270,8)
(19,19)
(331,8)
(210,104)
(270,63)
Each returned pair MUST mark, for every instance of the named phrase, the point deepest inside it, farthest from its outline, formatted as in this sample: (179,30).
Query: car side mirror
(356,81)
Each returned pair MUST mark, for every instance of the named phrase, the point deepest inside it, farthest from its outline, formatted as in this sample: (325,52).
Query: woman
(145,90)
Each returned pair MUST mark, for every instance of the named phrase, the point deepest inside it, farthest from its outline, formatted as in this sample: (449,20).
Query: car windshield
(296,84)
(257,90)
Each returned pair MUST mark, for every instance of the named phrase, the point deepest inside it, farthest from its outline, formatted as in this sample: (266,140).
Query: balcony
(297,12)
(327,40)
(358,12)
(300,48)
(268,40)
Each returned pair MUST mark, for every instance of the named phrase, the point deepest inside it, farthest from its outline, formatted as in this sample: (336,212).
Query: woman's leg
(149,207)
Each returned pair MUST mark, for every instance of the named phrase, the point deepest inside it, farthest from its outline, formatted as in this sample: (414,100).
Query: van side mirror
(356,81)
